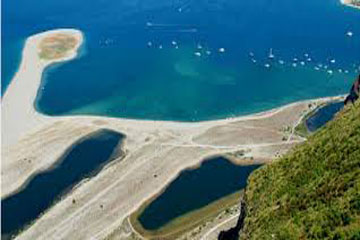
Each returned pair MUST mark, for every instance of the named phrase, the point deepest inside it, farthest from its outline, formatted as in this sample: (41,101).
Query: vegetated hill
(314,191)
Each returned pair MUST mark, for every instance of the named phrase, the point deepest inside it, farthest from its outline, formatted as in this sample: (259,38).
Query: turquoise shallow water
(118,74)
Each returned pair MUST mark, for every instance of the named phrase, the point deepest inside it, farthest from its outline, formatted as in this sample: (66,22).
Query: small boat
(294,64)
(251,54)
(332,60)
(198,54)
(208,52)
(349,34)
(267,65)
(302,63)
(222,50)
(174,43)
(160,47)
(199,46)
(271,54)
(330,72)
(149,43)
(281,62)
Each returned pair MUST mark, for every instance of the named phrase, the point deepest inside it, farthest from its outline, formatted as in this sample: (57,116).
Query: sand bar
(33,142)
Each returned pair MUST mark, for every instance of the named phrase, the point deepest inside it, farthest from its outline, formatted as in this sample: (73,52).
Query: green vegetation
(57,46)
(184,223)
(314,191)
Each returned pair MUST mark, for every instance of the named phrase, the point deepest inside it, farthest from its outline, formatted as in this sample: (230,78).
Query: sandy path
(217,228)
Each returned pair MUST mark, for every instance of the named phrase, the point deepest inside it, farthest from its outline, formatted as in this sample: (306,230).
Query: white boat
(271,54)
(198,54)
(222,50)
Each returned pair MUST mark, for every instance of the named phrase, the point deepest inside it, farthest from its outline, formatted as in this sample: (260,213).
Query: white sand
(18,113)
(33,142)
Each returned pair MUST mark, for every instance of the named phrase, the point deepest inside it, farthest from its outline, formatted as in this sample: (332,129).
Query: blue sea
(187,60)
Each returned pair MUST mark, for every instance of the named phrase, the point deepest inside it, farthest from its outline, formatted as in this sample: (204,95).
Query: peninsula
(155,151)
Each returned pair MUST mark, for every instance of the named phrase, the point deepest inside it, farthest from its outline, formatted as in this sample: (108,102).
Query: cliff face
(314,191)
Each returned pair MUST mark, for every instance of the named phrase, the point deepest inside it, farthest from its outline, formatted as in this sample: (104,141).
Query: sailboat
(271,55)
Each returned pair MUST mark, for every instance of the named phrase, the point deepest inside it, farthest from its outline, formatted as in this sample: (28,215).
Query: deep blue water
(195,188)
(323,115)
(120,75)
(85,157)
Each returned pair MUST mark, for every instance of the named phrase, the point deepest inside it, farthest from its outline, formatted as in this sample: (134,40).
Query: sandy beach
(32,142)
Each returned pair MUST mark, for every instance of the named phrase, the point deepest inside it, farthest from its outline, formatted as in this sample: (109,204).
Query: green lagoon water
(148,59)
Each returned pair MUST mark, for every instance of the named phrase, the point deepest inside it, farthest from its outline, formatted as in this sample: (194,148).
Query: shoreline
(39,118)
(349,4)
(163,148)
(18,113)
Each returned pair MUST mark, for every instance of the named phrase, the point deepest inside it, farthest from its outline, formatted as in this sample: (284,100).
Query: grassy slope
(312,192)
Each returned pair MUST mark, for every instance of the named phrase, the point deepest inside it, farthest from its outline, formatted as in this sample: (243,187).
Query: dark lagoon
(323,115)
(84,159)
(188,60)
(194,189)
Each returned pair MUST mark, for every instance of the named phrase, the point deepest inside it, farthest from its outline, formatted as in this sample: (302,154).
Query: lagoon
(193,189)
(84,159)
(323,115)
